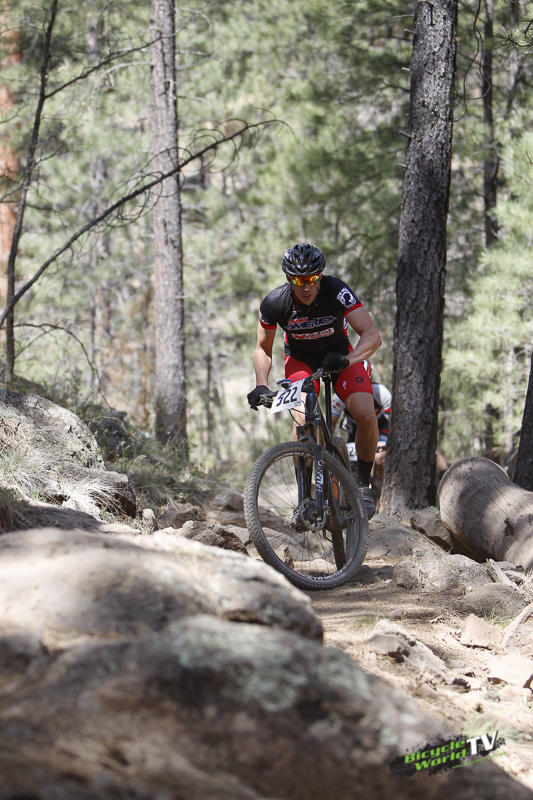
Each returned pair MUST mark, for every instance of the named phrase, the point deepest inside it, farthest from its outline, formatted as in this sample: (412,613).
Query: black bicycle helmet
(303,259)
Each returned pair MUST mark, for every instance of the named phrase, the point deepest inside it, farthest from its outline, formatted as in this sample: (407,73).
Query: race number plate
(352,452)
(288,398)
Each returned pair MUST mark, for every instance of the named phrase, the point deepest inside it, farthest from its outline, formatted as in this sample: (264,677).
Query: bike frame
(316,427)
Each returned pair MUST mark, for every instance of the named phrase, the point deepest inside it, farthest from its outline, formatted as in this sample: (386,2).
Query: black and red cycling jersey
(312,330)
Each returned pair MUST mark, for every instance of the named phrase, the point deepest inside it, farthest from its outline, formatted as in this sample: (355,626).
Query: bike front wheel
(313,552)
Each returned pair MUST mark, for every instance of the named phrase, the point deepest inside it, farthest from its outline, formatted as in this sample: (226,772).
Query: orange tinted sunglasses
(296,280)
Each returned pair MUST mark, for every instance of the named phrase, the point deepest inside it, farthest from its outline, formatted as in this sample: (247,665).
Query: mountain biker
(382,405)
(314,310)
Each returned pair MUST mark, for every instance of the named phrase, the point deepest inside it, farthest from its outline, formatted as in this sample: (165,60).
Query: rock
(148,519)
(227,499)
(439,572)
(214,539)
(225,518)
(494,600)
(511,668)
(518,634)
(450,573)
(115,528)
(154,667)
(17,652)
(242,533)
(226,508)
(212,534)
(134,583)
(201,710)
(111,430)
(123,499)
(389,638)
(89,490)
(63,460)
(176,514)
(395,541)
(477,632)
(49,426)
(428,521)
(516,576)
(29,514)
(365,575)
(406,574)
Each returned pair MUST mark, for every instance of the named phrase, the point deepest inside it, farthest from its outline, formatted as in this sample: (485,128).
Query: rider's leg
(360,406)
(298,415)
(354,388)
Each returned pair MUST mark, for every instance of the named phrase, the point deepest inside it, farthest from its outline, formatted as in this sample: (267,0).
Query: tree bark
(489,515)
(27,176)
(491,160)
(170,385)
(9,173)
(410,480)
(523,471)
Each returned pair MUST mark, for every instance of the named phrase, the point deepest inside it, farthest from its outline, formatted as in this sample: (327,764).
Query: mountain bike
(302,505)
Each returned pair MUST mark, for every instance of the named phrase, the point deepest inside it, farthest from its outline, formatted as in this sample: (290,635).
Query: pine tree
(487,361)
(410,465)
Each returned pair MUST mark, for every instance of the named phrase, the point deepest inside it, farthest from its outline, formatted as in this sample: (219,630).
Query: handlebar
(307,386)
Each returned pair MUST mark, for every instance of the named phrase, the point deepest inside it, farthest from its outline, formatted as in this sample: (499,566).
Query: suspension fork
(312,416)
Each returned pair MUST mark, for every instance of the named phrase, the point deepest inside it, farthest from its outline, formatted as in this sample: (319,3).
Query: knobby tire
(310,559)
(338,539)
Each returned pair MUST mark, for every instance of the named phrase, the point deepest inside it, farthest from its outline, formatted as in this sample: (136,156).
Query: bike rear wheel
(322,554)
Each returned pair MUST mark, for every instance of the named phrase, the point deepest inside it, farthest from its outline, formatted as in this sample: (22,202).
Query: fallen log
(487,513)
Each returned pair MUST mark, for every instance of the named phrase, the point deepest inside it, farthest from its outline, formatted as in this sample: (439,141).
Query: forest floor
(480,704)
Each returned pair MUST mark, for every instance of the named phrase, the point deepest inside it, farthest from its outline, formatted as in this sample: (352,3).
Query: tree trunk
(523,471)
(9,173)
(170,386)
(410,466)
(489,515)
(491,160)
(27,176)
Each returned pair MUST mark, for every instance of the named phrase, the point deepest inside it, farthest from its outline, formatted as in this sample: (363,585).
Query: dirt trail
(464,695)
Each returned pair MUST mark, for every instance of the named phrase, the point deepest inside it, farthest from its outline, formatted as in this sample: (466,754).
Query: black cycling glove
(255,395)
(335,362)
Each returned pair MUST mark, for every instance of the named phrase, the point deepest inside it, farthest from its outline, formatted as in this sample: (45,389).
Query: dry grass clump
(22,466)
(34,470)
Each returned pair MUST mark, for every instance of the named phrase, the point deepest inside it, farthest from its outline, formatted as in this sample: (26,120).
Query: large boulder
(46,426)
(153,666)
(58,458)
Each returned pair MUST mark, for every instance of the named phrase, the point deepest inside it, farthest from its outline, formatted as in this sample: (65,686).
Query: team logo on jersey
(346,298)
(304,323)
(313,334)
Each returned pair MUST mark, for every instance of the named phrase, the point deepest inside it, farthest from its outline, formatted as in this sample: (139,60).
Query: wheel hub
(307,516)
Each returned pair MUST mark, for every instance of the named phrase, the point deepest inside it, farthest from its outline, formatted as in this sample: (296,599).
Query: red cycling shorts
(352,379)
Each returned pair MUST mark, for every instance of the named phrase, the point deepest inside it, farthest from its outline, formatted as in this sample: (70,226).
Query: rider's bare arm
(369,336)
(263,354)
